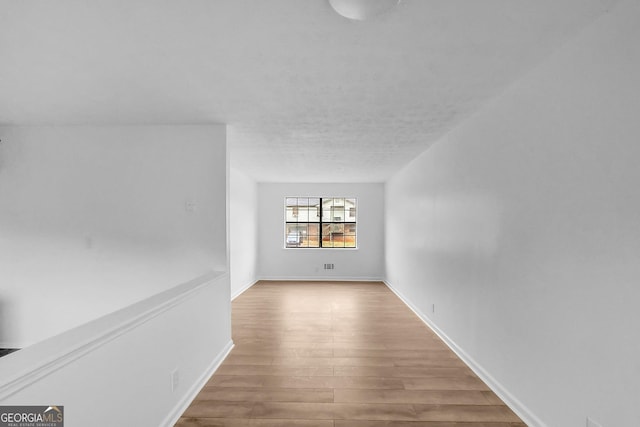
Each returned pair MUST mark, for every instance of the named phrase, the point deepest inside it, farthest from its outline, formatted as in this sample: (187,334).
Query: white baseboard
(243,289)
(322,278)
(511,401)
(173,417)
(304,279)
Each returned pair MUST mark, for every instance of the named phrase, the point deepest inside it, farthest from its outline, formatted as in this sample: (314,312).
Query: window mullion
(321,222)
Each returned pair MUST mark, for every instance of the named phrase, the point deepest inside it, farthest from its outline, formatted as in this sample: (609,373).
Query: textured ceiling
(309,96)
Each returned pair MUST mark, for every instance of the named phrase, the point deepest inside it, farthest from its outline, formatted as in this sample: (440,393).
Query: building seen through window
(320,222)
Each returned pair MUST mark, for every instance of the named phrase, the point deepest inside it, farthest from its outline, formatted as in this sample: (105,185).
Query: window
(320,222)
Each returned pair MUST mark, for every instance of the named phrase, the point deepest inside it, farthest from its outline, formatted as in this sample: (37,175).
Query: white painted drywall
(243,223)
(95,218)
(364,263)
(118,370)
(522,226)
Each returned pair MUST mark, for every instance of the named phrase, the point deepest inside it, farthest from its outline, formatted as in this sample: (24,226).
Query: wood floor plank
(411,372)
(369,423)
(321,371)
(218,409)
(429,354)
(433,397)
(278,351)
(465,413)
(339,354)
(239,359)
(444,383)
(334,361)
(267,394)
(254,381)
(334,411)
(246,422)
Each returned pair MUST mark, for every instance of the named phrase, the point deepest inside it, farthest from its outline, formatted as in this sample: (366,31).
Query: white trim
(510,400)
(321,278)
(48,356)
(177,411)
(305,279)
(243,290)
(11,344)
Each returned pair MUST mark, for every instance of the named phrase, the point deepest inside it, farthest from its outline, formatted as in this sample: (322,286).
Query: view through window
(320,222)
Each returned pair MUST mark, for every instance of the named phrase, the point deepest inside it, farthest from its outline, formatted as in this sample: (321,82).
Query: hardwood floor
(339,354)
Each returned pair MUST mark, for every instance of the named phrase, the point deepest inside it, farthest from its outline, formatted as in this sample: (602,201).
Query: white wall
(243,231)
(118,370)
(522,226)
(364,263)
(96,218)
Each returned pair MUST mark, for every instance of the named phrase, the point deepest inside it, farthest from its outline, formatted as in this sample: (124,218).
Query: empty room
(320,213)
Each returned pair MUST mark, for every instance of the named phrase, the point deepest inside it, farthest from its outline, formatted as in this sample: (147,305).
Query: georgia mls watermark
(31,416)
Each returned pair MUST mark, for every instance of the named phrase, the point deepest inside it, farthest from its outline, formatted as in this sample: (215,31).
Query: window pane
(326,236)
(350,209)
(304,240)
(295,234)
(303,214)
(337,229)
(338,214)
(313,235)
(349,235)
(314,210)
(292,214)
(332,235)
(338,236)
(327,204)
(326,242)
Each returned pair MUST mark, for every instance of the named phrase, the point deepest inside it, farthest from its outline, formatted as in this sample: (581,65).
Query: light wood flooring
(339,354)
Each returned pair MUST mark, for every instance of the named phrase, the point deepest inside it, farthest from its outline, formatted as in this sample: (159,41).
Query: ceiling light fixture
(360,10)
